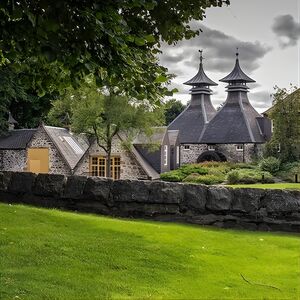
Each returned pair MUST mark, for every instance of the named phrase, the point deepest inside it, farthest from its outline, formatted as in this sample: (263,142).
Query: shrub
(174,176)
(270,164)
(193,168)
(289,170)
(233,177)
(204,179)
(249,176)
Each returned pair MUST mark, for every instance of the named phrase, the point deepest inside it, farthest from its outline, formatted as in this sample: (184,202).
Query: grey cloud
(287,30)
(261,99)
(219,52)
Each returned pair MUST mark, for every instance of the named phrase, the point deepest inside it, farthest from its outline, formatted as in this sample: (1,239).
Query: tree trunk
(108,164)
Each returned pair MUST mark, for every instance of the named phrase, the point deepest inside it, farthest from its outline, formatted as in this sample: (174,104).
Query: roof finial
(201,55)
(237,53)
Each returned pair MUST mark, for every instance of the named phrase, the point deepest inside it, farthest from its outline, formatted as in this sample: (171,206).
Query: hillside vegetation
(49,254)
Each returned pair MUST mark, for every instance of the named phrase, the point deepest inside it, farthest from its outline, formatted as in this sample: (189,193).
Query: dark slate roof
(145,165)
(192,120)
(157,137)
(200,79)
(67,144)
(235,123)
(237,75)
(16,139)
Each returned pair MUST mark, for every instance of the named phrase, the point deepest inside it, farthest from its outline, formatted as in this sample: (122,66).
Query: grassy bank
(48,254)
(293,186)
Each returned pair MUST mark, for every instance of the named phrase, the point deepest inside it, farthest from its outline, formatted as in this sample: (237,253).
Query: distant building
(235,133)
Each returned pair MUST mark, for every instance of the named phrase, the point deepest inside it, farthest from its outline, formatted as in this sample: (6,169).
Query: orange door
(38,160)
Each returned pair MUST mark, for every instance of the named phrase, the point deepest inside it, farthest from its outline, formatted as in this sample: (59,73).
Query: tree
(285,142)
(103,115)
(50,45)
(172,109)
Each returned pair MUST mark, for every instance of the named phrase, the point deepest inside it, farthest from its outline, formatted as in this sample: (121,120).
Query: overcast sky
(267,33)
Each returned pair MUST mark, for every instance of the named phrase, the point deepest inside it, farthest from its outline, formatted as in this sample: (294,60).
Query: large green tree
(103,115)
(285,114)
(50,45)
(172,109)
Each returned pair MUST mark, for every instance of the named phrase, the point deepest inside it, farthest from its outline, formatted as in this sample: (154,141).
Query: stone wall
(190,156)
(13,160)
(130,169)
(57,164)
(252,209)
(251,152)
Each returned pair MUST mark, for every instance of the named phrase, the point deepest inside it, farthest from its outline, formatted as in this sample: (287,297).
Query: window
(239,147)
(98,166)
(186,147)
(165,155)
(77,149)
(211,148)
(177,155)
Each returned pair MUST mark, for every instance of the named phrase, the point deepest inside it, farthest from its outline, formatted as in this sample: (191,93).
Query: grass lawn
(268,186)
(50,254)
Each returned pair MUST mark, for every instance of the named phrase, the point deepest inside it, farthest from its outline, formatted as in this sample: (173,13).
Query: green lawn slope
(49,254)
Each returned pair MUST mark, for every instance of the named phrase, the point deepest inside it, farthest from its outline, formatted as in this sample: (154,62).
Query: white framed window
(239,147)
(177,155)
(165,155)
(186,147)
(211,147)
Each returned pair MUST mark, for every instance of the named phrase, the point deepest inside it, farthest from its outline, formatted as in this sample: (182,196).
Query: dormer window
(211,147)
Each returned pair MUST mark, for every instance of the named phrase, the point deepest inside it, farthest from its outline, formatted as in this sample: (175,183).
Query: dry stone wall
(253,209)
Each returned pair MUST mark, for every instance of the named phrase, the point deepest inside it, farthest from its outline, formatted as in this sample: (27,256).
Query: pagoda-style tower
(200,110)
(237,122)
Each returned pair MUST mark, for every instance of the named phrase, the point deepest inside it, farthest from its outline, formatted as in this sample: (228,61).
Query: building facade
(237,132)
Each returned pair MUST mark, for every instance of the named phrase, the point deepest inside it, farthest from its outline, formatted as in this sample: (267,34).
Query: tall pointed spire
(201,79)
(237,75)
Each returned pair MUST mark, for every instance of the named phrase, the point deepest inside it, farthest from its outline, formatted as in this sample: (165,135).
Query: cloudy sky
(267,33)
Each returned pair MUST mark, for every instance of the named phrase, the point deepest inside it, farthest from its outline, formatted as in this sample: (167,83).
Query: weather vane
(201,55)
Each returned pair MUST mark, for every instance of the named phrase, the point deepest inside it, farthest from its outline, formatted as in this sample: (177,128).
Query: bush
(194,168)
(173,176)
(249,176)
(289,170)
(233,177)
(205,179)
(270,164)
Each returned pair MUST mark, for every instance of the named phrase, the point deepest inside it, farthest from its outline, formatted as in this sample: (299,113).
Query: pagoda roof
(237,74)
(200,79)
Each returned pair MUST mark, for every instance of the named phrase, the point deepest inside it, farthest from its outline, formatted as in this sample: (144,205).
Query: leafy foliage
(270,164)
(172,108)
(285,142)
(103,115)
(249,176)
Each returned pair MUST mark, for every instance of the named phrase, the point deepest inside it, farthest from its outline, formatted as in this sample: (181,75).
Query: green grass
(268,186)
(49,254)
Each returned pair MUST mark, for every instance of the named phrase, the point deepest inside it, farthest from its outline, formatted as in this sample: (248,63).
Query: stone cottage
(235,133)
(55,150)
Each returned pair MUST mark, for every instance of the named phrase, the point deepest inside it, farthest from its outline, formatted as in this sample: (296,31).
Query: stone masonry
(252,209)
(57,164)
(13,160)
(130,168)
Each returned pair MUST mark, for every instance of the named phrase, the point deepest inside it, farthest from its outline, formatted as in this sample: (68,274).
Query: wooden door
(38,160)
